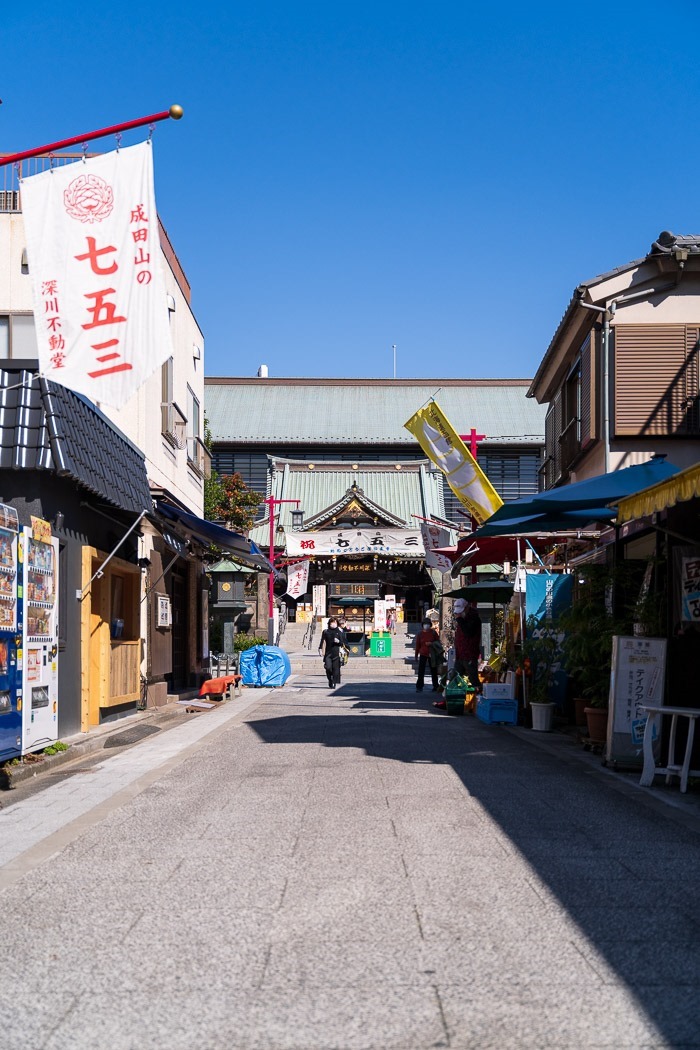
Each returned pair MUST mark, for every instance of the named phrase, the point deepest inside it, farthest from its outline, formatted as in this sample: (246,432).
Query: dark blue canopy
(243,550)
(572,507)
(607,488)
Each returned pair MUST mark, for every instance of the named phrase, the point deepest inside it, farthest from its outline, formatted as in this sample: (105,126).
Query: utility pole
(271,503)
(472,440)
(393,347)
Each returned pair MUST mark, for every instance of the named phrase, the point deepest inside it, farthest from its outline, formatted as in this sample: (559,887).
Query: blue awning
(541,524)
(209,534)
(606,488)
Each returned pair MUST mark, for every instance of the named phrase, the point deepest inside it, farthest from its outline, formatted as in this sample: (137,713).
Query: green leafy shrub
(55,749)
(247,641)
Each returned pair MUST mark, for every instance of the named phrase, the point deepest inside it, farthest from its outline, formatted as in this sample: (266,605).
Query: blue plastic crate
(492,711)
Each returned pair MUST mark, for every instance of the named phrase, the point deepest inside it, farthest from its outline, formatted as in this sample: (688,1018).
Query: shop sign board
(319,599)
(380,614)
(405,542)
(690,590)
(637,678)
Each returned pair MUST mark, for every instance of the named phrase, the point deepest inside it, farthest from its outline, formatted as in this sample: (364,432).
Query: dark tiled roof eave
(45,426)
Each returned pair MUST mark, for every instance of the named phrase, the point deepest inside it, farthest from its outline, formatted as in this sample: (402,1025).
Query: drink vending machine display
(38,657)
(10,639)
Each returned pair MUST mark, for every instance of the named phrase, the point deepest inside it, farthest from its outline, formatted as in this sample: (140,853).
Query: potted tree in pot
(540,655)
(589,626)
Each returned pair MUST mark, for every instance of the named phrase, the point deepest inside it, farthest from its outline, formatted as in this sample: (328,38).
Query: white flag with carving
(93,247)
(298,579)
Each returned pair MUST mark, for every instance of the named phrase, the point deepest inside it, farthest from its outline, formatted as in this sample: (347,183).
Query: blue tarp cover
(265,665)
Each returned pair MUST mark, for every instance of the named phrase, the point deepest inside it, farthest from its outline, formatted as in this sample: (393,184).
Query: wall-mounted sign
(164,614)
(401,542)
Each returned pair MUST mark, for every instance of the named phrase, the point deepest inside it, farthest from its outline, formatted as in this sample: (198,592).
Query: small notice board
(637,678)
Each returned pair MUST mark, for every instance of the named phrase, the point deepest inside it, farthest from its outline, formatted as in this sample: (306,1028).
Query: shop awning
(489,550)
(574,507)
(366,602)
(545,524)
(494,591)
(682,486)
(605,488)
(207,533)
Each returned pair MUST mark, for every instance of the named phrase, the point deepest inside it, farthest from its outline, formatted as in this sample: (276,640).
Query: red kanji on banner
(93,254)
(102,312)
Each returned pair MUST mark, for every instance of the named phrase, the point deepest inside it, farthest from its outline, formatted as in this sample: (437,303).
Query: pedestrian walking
(330,647)
(425,640)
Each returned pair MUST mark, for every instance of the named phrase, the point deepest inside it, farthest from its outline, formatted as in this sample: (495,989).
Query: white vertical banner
(380,614)
(93,246)
(319,599)
(298,579)
(435,536)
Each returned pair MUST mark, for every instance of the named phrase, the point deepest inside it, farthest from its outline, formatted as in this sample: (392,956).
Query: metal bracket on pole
(168,567)
(76,140)
(100,572)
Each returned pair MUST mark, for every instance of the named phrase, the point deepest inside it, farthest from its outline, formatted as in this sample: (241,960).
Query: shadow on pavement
(627,876)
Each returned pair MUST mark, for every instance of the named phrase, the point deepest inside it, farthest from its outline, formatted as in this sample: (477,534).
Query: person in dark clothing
(425,639)
(467,642)
(330,645)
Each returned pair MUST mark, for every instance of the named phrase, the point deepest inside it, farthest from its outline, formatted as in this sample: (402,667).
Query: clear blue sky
(352,175)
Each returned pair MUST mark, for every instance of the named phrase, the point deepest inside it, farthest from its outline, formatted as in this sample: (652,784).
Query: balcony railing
(570,443)
(10,176)
(199,457)
(173,424)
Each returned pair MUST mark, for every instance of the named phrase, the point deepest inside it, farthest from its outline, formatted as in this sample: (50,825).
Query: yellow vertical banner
(444,447)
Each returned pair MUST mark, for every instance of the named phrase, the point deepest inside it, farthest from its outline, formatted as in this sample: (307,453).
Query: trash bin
(380,644)
(357,642)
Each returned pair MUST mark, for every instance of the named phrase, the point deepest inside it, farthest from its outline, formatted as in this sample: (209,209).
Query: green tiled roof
(414,489)
(365,411)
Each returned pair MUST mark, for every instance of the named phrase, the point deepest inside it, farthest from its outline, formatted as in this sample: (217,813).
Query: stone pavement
(346,871)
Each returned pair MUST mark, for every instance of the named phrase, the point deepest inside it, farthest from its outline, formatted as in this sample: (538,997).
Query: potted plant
(589,626)
(540,656)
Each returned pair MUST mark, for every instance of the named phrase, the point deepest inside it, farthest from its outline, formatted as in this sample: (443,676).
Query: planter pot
(597,722)
(542,717)
(580,710)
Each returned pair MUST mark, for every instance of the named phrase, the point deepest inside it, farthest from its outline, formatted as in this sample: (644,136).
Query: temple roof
(269,412)
(392,491)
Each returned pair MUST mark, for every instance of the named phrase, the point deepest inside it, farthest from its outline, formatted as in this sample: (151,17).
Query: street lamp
(271,503)
(297,519)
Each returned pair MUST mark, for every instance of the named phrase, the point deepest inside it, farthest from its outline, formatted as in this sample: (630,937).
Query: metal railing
(309,635)
(198,456)
(11,176)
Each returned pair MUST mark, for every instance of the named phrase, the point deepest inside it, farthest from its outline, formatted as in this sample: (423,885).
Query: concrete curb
(169,716)
(683,809)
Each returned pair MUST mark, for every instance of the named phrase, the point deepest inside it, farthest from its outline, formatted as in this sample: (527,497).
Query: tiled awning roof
(44,426)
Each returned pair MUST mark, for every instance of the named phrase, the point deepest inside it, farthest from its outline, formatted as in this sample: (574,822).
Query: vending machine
(38,658)
(10,638)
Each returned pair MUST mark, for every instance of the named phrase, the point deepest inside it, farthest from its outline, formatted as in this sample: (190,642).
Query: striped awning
(682,486)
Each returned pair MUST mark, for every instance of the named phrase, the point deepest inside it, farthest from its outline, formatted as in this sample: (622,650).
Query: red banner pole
(175,112)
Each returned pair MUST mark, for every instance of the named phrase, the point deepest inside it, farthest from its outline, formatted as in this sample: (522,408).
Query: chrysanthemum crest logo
(89,198)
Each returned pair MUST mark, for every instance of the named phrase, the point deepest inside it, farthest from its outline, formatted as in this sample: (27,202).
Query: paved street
(305,871)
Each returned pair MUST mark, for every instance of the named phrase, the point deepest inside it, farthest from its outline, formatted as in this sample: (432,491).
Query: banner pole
(175,112)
